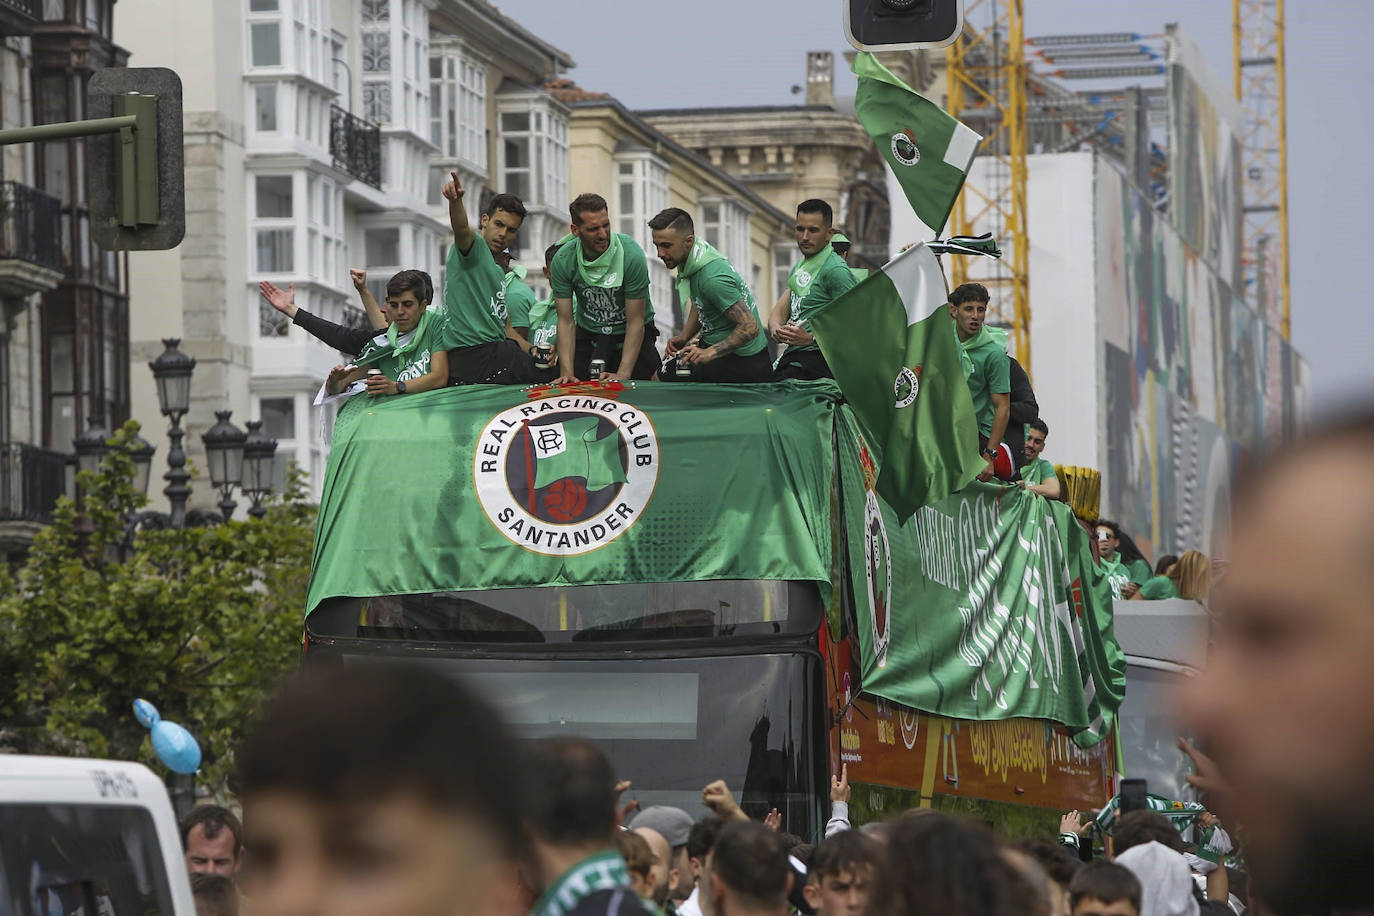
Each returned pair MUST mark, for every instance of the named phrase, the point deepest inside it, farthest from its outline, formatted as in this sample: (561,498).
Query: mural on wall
(1194,380)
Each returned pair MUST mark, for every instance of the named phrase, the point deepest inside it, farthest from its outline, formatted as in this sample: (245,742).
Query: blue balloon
(146,713)
(176,747)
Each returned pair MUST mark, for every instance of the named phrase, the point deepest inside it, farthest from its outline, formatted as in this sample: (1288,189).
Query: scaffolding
(986,73)
(1261,89)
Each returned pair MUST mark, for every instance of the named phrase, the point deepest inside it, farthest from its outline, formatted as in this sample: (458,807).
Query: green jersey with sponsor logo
(818,290)
(715,289)
(1037,471)
(409,360)
(601,309)
(543,323)
(473,296)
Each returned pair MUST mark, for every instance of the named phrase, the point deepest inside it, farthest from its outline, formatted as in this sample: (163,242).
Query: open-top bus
(701,580)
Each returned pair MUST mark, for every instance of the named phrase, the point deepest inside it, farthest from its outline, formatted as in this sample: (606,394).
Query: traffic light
(899,25)
(136,177)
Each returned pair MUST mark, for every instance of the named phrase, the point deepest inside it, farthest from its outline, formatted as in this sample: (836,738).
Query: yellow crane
(986,71)
(1262,90)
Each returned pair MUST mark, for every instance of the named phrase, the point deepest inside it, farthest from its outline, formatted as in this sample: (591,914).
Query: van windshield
(80,859)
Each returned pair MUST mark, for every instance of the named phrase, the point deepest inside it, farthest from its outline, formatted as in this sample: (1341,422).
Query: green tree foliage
(201,622)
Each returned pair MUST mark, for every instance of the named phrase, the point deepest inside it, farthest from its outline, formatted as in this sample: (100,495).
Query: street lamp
(92,445)
(224,445)
(258,465)
(172,372)
(142,456)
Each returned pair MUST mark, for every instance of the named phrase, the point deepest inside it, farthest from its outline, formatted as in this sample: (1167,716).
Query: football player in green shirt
(1125,575)
(816,280)
(731,348)
(474,292)
(540,327)
(987,368)
(607,274)
(410,355)
(1037,474)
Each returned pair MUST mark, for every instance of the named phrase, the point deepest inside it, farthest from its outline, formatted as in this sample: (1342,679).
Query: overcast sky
(656,54)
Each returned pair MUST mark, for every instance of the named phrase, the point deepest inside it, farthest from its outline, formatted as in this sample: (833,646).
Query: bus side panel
(989,770)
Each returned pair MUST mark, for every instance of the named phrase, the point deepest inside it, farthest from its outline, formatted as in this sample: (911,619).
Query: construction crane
(1262,90)
(986,74)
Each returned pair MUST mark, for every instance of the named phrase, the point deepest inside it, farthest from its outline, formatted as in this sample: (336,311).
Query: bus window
(80,859)
(584,613)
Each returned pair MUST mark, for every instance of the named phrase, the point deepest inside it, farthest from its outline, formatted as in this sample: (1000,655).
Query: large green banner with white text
(490,487)
(985,605)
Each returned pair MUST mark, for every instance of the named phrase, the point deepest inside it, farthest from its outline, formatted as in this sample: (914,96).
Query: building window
(534,150)
(274,228)
(458,106)
(725,224)
(641,180)
(278,416)
(395,46)
(382,254)
(265,41)
(265,107)
(784,256)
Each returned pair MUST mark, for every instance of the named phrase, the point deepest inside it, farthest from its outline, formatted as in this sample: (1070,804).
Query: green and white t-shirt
(1157,588)
(519,298)
(408,358)
(715,289)
(991,375)
(601,307)
(543,323)
(1139,570)
(1117,574)
(1037,471)
(809,291)
(473,296)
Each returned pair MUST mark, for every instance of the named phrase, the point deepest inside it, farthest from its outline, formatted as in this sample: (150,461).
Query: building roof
(493,13)
(574,96)
(568,92)
(741,110)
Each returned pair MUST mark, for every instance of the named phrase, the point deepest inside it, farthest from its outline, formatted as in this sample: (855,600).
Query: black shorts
(802,365)
(591,345)
(730,368)
(497,362)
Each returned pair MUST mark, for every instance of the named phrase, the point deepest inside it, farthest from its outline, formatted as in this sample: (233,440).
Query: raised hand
(283,300)
(452,189)
(773,820)
(359,278)
(839,785)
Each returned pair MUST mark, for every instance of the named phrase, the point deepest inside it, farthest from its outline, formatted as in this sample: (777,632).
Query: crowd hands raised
(354,803)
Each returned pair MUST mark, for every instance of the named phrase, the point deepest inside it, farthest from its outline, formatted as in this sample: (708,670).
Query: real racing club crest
(566,475)
(904,148)
(878,566)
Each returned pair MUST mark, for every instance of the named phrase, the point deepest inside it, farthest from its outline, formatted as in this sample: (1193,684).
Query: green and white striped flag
(928,150)
(892,348)
(984,245)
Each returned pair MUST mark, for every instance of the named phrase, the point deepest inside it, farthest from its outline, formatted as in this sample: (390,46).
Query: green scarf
(802,276)
(986,335)
(702,253)
(516,272)
(603,871)
(608,270)
(399,350)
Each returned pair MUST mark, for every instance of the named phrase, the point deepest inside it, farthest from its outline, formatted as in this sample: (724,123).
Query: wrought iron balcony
(30,224)
(356,146)
(31,480)
(18,17)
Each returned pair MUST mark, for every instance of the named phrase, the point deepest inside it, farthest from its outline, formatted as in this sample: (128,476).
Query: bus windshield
(672,725)
(583,613)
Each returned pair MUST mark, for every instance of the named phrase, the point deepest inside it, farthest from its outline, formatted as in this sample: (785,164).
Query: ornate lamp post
(91,446)
(142,456)
(259,456)
(224,445)
(172,372)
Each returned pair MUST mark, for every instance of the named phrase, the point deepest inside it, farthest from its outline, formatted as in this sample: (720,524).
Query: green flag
(571,449)
(928,150)
(892,348)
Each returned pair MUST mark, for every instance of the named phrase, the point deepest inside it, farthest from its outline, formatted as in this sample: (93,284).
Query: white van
(90,837)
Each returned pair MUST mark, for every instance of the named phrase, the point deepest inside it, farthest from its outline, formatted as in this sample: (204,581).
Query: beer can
(374,371)
(543,354)
(683,370)
(598,367)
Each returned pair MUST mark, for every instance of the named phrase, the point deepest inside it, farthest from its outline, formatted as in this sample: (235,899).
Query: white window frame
(271,17)
(545,139)
(728,231)
(288,224)
(458,105)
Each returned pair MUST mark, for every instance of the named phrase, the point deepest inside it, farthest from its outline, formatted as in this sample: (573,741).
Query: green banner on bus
(985,605)
(491,487)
